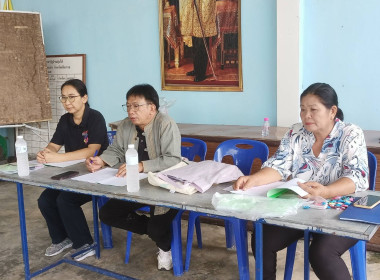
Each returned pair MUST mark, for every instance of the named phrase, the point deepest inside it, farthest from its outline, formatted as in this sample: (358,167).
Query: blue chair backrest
(242,158)
(372,164)
(198,148)
(111,135)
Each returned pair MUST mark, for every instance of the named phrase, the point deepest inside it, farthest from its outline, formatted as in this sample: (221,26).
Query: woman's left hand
(314,189)
(50,156)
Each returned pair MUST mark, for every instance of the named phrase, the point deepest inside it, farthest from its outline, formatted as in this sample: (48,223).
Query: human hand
(41,157)
(94,163)
(314,189)
(122,171)
(244,183)
(50,156)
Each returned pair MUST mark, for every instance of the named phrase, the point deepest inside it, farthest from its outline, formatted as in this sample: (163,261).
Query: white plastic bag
(254,207)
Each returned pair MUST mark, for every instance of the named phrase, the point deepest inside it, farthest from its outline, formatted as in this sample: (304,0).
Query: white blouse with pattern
(343,154)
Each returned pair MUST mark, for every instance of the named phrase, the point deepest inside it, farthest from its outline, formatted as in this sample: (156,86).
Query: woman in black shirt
(82,131)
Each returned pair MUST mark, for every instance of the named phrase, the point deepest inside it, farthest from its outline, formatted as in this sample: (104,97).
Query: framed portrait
(200,45)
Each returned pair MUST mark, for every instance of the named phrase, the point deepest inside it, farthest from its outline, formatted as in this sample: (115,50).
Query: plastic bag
(155,181)
(315,202)
(165,105)
(255,207)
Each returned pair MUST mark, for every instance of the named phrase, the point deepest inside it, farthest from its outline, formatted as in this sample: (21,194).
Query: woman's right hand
(122,171)
(94,163)
(244,183)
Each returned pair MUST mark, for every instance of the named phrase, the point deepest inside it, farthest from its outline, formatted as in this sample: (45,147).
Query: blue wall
(121,42)
(340,46)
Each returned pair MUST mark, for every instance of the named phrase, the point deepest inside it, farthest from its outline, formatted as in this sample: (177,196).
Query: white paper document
(256,191)
(11,168)
(106,176)
(65,163)
(274,189)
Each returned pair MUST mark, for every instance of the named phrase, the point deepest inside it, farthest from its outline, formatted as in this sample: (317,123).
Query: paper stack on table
(274,189)
(106,176)
(65,163)
(11,168)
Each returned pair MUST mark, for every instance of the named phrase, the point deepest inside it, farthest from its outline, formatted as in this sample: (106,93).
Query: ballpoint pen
(95,154)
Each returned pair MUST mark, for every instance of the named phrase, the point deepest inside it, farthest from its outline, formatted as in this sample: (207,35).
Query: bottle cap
(20,136)
(266,119)
(131,146)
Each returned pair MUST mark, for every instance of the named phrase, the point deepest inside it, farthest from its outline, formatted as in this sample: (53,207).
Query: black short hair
(78,85)
(326,95)
(146,91)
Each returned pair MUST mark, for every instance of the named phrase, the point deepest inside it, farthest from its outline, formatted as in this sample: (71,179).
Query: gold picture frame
(187,46)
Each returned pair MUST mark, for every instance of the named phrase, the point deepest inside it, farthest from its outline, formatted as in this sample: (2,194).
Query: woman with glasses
(82,131)
(158,143)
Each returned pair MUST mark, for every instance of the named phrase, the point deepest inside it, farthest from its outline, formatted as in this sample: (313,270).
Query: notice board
(60,69)
(24,85)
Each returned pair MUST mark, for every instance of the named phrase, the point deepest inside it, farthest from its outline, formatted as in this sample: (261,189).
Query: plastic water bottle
(265,130)
(132,161)
(22,156)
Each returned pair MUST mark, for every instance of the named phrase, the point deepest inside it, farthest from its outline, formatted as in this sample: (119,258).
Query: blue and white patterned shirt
(343,154)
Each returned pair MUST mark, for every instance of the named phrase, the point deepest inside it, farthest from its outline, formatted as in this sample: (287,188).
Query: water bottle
(132,161)
(22,156)
(265,130)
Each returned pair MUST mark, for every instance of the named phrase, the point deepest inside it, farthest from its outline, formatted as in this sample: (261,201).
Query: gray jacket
(163,141)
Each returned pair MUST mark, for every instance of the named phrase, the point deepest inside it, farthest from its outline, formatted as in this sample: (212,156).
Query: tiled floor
(212,262)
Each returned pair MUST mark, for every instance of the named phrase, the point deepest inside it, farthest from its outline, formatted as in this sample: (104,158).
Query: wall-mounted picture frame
(200,45)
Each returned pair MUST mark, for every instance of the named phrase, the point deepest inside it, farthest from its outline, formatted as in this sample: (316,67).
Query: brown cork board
(24,85)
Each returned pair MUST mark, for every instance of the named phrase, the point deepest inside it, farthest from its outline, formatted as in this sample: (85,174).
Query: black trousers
(200,59)
(121,214)
(64,216)
(324,254)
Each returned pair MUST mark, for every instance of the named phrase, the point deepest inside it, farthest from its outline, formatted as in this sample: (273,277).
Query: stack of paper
(106,176)
(8,168)
(65,163)
(274,189)
(11,168)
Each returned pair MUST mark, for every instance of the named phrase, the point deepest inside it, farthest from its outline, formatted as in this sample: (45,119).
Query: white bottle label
(21,149)
(133,160)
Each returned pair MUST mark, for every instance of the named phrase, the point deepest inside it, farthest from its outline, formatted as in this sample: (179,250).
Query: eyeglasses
(71,98)
(134,107)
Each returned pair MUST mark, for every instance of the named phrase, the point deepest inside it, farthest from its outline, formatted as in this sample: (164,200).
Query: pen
(95,154)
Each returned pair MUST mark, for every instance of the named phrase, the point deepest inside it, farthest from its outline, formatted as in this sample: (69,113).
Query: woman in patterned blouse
(332,157)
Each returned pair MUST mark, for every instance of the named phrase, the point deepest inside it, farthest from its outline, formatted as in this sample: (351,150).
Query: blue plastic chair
(111,135)
(197,148)
(357,252)
(235,228)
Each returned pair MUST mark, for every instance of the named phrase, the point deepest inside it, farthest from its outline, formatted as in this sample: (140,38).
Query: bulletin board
(60,68)
(24,86)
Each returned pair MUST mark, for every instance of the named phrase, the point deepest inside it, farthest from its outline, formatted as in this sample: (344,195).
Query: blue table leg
(240,233)
(24,239)
(259,249)
(306,244)
(177,245)
(106,229)
(96,225)
(230,238)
